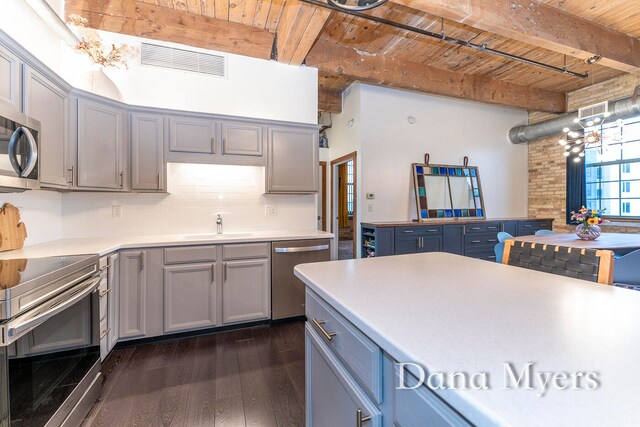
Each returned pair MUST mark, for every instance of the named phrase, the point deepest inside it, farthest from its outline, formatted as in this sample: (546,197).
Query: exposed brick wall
(547,165)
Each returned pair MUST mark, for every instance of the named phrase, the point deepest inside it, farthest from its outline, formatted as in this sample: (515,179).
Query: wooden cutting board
(12,231)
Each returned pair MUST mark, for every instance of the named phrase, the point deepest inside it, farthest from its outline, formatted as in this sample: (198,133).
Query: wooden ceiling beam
(140,19)
(386,71)
(298,29)
(330,101)
(540,25)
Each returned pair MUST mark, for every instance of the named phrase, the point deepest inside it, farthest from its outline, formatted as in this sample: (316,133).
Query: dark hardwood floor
(247,377)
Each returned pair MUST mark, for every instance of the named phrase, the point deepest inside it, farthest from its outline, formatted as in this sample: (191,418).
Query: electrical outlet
(270,210)
(116,211)
(371,196)
(369,207)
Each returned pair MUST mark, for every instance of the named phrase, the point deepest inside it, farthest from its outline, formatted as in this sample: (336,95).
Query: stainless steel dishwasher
(287,291)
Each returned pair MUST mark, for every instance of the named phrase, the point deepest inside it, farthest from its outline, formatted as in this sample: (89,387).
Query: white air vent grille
(595,110)
(184,60)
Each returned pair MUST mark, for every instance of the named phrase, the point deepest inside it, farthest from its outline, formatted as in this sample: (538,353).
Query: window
(613,175)
(350,187)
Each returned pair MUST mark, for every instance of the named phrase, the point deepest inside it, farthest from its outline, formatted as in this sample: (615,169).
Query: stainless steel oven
(50,344)
(18,151)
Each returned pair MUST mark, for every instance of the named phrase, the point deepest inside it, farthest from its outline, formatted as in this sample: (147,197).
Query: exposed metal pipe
(443,37)
(621,109)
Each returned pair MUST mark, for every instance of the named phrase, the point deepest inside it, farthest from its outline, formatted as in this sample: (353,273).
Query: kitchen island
(447,314)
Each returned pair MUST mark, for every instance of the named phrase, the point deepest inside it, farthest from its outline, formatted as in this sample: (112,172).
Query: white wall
(448,129)
(197,193)
(41,213)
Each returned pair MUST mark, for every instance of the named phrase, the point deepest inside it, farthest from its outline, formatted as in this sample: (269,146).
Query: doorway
(322,197)
(344,204)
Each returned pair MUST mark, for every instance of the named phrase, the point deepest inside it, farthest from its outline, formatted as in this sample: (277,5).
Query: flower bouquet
(589,221)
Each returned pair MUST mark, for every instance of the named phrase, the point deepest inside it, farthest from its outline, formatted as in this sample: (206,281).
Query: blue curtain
(576,187)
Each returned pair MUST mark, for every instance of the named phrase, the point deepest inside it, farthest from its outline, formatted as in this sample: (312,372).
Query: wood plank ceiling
(381,54)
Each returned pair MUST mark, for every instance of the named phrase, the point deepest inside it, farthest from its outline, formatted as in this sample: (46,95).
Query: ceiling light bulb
(590,123)
(562,142)
(566,154)
(576,120)
(576,159)
(566,147)
(607,114)
(566,130)
(581,154)
(597,119)
(591,139)
(575,149)
(578,141)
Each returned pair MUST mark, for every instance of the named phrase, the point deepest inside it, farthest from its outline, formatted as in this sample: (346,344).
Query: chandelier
(356,5)
(591,131)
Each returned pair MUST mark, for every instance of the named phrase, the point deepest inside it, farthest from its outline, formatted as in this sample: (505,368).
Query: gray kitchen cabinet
(242,139)
(192,135)
(147,149)
(46,102)
(132,294)
(292,160)
(333,397)
(100,145)
(9,78)
(246,291)
(189,297)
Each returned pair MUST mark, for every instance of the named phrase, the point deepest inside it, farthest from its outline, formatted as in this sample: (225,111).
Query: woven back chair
(586,264)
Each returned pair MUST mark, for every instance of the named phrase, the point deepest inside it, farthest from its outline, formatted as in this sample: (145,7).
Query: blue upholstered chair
(626,270)
(539,232)
(502,236)
(498,249)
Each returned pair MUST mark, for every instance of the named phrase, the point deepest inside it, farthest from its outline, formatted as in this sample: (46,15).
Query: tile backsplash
(41,213)
(196,193)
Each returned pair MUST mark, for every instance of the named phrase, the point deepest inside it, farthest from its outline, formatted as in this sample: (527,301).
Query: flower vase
(588,232)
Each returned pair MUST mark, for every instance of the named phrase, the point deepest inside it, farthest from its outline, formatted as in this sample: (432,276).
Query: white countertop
(106,245)
(450,313)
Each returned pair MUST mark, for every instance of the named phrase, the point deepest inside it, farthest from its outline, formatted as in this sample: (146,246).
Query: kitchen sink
(208,236)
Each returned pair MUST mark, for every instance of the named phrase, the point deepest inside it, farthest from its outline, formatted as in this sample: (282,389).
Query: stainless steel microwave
(18,151)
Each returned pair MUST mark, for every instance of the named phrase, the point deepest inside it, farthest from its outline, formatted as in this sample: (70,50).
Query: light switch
(116,211)
(370,207)
(270,210)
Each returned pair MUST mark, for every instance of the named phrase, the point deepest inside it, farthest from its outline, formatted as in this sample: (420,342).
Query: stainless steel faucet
(219,224)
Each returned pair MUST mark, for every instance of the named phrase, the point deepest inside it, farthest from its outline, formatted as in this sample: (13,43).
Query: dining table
(620,243)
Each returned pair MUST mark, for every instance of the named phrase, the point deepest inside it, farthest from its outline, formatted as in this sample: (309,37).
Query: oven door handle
(74,295)
(301,249)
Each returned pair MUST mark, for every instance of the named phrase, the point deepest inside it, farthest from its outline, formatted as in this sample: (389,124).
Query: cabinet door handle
(105,267)
(422,242)
(105,292)
(527,225)
(121,180)
(213,144)
(432,231)
(492,240)
(475,241)
(104,333)
(159,184)
(360,419)
(72,170)
(224,272)
(407,231)
(318,324)
(143,260)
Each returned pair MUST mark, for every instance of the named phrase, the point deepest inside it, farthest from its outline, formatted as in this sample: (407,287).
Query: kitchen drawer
(473,241)
(359,354)
(526,228)
(421,407)
(486,254)
(245,251)
(424,230)
(485,227)
(189,254)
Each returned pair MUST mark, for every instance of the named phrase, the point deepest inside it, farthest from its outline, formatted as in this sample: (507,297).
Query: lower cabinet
(133,294)
(333,397)
(246,291)
(189,297)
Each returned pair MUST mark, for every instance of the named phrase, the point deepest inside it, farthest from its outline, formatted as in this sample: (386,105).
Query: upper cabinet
(192,135)
(9,78)
(48,103)
(147,148)
(242,139)
(292,160)
(100,145)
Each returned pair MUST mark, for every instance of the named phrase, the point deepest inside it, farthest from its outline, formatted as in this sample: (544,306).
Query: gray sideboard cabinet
(48,103)
(147,152)
(100,145)
(9,78)
(292,160)
(133,294)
